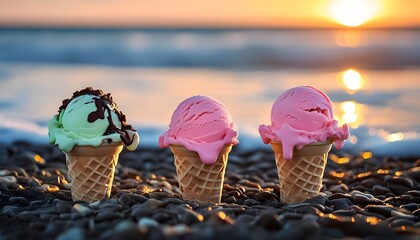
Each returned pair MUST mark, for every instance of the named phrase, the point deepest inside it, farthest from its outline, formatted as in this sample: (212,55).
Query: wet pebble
(20,201)
(9,209)
(190,217)
(219,217)
(108,215)
(378,189)
(340,203)
(268,221)
(264,196)
(130,199)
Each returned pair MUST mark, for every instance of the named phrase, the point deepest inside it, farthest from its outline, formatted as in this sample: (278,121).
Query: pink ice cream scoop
(201,124)
(300,116)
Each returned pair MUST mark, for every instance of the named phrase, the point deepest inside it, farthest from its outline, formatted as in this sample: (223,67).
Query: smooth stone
(398,214)
(190,217)
(21,201)
(110,206)
(72,234)
(130,199)
(141,211)
(268,222)
(341,188)
(245,218)
(361,199)
(9,210)
(178,229)
(349,212)
(63,207)
(38,226)
(378,189)
(415,174)
(380,209)
(410,206)
(8,180)
(27,216)
(300,230)
(401,180)
(230,199)
(145,223)
(37,203)
(48,216)
(319,199)
(416,212)
(108,215)
(172,200)
(124,225)
(159,195)
(153,203)
(251,202)
(264,196)
(370,182)
(273,203)
(398,189)
(83,210)
(340,203)
(401,222)
(219,217)
(4,172)
(65,216)
(308,210)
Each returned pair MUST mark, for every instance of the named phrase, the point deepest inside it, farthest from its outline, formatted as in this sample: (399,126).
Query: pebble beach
(363,197)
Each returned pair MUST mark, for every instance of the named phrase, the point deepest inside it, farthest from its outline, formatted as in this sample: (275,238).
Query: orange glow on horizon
(216,13)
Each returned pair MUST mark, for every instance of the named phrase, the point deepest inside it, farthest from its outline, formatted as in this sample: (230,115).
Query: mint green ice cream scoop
(90,118)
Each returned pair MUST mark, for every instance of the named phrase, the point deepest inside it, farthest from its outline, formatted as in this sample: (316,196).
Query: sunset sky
(211,13)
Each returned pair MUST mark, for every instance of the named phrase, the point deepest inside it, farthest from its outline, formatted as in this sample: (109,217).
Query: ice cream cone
(91,170)
(198,181)
(301,177)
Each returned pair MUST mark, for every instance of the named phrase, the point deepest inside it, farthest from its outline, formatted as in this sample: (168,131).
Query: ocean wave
(218,49)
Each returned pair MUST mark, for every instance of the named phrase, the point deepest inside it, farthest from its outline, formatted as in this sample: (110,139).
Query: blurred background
(151,55)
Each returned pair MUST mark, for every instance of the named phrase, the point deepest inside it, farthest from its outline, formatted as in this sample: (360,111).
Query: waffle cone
(198,181)
(301,177)
(91,170)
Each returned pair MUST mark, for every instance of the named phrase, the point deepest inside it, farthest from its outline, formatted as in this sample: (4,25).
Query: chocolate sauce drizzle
(102,102)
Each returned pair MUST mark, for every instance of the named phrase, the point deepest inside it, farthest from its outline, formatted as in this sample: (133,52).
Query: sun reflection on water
(351,80)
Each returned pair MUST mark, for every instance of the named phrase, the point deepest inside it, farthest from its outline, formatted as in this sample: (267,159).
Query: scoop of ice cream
(90,118)
(201,124)
(300,116)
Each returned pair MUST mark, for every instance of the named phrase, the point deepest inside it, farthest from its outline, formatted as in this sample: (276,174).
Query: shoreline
(362,197)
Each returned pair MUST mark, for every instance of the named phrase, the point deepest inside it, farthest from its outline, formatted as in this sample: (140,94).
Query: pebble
(145,201)
(378,189)
(20,201)
(83,210)
(219,217)
(145,223)
(8,180)
(27,216)
(9,210)
(264,196)
(130,199)
(268,222)
(382,210)
(191,217)
(72,234)
(108,215)
(153,203)
(340,203)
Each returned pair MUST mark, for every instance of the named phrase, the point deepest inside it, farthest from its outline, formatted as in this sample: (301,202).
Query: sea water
(372,76)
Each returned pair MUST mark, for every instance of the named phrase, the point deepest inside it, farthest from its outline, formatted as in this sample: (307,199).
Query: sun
(353,13)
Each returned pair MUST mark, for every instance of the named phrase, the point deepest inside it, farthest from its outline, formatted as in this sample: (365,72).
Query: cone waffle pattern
(301,177)
(92,176)
(198,181)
